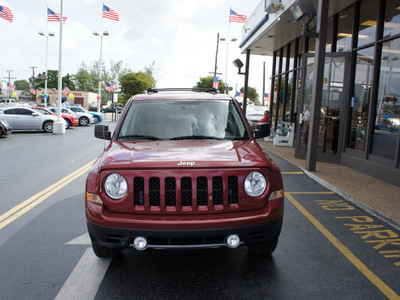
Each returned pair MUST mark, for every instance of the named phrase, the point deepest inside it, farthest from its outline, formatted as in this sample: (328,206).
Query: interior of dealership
(335,77)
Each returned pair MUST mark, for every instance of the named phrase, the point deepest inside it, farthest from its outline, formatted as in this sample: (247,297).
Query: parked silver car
(24,118)
(83,118)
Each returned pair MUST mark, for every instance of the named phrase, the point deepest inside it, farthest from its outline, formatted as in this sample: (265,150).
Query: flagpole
(100,61)
(47,52)
(227,45)
(59,126)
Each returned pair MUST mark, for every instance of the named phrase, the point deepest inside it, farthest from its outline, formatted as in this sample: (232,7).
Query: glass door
(334,98)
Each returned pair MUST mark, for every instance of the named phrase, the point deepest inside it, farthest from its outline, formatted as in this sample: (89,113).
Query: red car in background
(70,119)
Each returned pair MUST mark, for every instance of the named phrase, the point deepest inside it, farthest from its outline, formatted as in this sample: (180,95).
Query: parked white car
(24,118)
(83,118)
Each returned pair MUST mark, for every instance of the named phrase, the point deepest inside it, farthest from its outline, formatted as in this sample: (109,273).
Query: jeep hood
(183,154)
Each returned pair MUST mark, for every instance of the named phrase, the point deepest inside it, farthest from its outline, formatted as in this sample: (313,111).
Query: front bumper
(205,238)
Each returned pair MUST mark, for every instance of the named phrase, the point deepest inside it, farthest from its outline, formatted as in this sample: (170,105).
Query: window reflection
(368,17)
(392,19)
(387,121)
(345,27)
(361,98)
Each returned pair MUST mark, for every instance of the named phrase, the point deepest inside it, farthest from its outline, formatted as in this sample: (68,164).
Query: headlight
(115,186)
(255,184)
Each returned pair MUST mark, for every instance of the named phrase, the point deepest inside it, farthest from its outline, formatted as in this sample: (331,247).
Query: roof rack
(201,90)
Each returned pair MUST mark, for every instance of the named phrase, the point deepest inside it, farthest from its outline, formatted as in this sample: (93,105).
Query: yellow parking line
(312,193)
(28,204)
(383,287)
(293,173)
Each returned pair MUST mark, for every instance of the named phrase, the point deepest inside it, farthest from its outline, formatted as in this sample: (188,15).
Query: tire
(96,119)
(1,133)
(83,121)
(68,123)
(48,126)
(105,252)
(264,248)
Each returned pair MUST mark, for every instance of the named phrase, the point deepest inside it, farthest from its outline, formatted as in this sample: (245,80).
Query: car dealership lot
(328,248)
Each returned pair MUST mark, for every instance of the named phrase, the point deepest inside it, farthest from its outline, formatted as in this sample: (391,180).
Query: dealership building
(84,99)
(335,77)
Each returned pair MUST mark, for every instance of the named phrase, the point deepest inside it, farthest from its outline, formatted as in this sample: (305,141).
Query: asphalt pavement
(375,196)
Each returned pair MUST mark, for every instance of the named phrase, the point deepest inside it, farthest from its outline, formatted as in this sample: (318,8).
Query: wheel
(96,119)
(83,121)
(48,126)
(264,248)
(105,252)
(67,123)
(1,133)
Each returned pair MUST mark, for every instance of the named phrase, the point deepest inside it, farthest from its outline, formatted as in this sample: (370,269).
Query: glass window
(387,123)
(368,19)
(345,28)
(171,119)
(361,98)
(289,96)
(305,113)
(392,18)
(277,62)
(22,111)
(280,91)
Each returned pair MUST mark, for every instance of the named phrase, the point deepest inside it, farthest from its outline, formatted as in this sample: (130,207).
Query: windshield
(255,110)
(180,120)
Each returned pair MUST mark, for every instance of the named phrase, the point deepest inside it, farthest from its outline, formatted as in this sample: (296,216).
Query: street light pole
(105,33)
(216,57)
(47,36)
(226,62)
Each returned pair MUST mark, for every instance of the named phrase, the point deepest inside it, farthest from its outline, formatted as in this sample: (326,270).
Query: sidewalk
(377,197)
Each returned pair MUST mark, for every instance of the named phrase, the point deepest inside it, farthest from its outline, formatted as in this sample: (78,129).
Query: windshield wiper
(196,137)
(139,136)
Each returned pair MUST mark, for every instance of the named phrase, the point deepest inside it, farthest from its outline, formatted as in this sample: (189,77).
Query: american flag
(108,13)
(387,44)
(32,91)
(266,98)
(66,90)
(110,88)
(6,13)
(53,16)
(215,82)
(10,87)
(234,17)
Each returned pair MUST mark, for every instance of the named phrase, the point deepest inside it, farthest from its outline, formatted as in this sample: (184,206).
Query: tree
(68,80)
(207,82)
(252,95)
(150,70)
(21,85)
(134,83)
(83,80)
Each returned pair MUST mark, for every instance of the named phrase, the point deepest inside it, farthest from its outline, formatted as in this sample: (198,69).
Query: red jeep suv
(183,170)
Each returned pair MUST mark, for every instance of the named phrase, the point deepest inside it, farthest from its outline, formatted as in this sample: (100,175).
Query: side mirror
(263,130)
(102,132)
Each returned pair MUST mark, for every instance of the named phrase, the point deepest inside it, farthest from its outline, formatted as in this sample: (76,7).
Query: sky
(180,36)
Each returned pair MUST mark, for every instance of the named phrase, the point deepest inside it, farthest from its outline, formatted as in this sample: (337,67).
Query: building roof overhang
(265,33)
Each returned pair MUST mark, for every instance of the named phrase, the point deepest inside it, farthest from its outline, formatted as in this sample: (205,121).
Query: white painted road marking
(85,279)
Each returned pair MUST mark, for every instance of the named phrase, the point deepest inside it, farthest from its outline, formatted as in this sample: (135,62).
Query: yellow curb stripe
(28,204)
(312,193)
(293,173)
(383,287)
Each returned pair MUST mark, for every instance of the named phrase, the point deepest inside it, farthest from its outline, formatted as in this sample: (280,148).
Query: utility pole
(9,81)
(33,76)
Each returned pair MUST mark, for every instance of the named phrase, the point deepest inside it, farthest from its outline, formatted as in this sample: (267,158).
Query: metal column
(320,44)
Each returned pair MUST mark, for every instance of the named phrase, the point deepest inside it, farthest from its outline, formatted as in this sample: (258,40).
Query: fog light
(140,243)
(233,241)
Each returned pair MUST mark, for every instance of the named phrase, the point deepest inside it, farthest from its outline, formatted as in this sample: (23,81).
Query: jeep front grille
(192,191)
